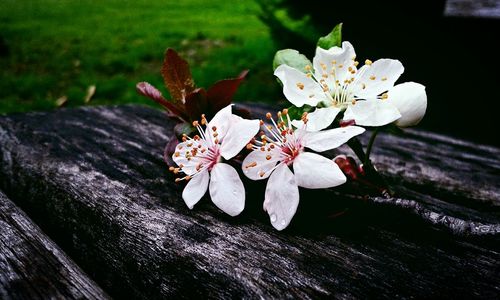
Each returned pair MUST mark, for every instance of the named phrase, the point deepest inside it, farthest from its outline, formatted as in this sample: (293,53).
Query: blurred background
(56,53)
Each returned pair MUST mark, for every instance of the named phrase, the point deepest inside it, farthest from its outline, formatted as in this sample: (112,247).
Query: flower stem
(366,160)
(373,176)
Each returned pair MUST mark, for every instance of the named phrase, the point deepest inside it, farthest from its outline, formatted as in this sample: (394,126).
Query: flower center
(202,151)
(281,144)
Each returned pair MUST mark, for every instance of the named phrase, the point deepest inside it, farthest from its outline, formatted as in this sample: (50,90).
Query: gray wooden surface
(32,266)
(94,180)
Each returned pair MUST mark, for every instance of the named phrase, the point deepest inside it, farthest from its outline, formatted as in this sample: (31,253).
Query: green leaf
(292,58)
(332,39)
(295,112)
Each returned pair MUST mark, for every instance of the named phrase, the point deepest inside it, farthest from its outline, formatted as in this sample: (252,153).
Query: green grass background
(60,47)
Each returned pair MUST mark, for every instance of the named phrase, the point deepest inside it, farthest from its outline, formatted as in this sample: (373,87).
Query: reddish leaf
(177,76)
(153,93)
(196,104)
(169,151)
(221,93)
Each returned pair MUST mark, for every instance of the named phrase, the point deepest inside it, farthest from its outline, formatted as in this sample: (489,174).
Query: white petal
(195,189)
(227,190)
(256,163)
(411,100)
(298,88)
(332,138)
(314,171)
(377,78)
(340,58)
(318,119)
(238,136)
(282,197)
(222,121)
(373,112)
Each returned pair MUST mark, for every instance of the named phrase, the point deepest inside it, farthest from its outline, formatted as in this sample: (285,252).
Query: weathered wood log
(94,179)
(32,266)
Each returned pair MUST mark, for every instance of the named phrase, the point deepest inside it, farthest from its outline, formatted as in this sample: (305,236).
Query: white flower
(200,159)
(283,148)
(367,95)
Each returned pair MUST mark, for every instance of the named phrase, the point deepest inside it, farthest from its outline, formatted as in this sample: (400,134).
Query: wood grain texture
(94,179)
(32,266)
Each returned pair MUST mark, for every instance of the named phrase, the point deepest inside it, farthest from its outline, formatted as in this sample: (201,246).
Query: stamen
(251,165)
(368,62)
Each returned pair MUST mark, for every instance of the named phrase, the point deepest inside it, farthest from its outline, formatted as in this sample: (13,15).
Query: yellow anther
(353,102)
(189,145)
(215,134)
(384,78)
(323,66)
(249,146)
(268,157)
(334,62)
(216,141)
(368,62)
(300,85)
(350,69)
(308,75)
(251,165)
(324,75)
(177,154)
(171,169)
(356,63)
(214,128)
(312,95)
(340,66)
(384,96)
(177,179)
(196,124)
(363,86)
(354,57)
(261,122)
(308,68)
(187,178)
(262,173)
(181,166)
(372,77)
(268,115)
(284,111)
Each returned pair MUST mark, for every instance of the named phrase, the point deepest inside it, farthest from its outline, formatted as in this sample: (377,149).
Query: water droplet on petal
(273,218)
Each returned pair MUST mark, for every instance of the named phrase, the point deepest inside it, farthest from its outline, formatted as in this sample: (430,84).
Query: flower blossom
(368,95)
(200,159)
(284,147)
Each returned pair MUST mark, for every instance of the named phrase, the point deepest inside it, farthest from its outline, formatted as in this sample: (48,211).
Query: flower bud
(411,101)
